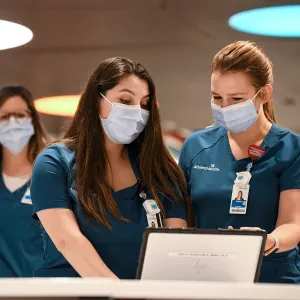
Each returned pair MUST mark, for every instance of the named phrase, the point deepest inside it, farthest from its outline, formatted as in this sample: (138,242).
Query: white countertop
(145,289)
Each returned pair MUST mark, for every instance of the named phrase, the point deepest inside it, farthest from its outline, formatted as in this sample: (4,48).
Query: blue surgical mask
(236,118)
(15,134)
(125,122)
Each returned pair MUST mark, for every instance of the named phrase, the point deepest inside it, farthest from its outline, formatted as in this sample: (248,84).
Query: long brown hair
(39,140)
(85,135)
(247,57)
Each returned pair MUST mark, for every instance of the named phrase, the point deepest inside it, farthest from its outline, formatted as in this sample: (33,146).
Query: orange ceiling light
(58,105)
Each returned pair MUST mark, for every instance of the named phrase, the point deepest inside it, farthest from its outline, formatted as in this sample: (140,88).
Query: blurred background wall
(174,39)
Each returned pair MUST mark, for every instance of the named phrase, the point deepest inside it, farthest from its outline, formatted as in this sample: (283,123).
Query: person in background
(22,137)
(89,189)
(247,148)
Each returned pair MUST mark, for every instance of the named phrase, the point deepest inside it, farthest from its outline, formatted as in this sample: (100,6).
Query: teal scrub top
(53,187)
(210,169)
(21,244)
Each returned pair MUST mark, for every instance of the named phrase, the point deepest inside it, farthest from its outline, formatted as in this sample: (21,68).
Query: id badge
(239,199)
(151,207)
(152,221)
(27,198)
(152,213)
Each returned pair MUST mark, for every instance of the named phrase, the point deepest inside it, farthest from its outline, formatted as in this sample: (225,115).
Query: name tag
(27,198)
(152,213)
(239,199)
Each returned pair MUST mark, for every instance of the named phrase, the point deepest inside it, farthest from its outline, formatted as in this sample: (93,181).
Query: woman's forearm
(288,236)
(80,253)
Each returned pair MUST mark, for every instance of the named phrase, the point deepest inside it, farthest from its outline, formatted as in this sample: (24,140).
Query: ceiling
(174,39)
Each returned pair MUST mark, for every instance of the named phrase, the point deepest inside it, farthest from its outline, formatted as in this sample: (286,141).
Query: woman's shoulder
(57,153)
(286,138)
(282,132)
(204,138)
(284,146)
(198,141)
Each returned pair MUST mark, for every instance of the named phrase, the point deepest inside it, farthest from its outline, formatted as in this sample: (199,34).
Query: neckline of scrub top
(2,185)
(246,159)
(131,190)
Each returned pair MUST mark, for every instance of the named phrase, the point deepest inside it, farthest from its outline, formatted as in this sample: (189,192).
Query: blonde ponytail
(269,111)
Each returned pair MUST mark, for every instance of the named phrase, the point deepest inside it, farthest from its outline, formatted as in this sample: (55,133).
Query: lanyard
(142,193)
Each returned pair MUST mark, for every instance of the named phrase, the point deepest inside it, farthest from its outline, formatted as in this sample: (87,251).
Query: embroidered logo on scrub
(212,167)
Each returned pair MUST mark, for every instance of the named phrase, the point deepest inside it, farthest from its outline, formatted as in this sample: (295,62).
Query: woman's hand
(270,242)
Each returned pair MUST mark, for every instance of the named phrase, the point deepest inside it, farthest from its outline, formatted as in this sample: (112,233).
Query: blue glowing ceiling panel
(278,21)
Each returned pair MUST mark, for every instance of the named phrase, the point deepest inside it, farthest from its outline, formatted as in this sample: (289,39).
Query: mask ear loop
(254,99)
(256,94)
(105,98)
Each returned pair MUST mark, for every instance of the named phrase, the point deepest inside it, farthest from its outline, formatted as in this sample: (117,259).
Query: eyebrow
(132,93)
(233,94)
(129,91)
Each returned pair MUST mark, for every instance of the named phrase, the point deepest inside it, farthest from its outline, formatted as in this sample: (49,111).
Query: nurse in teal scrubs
(89,188)
(21,139)
(214,158)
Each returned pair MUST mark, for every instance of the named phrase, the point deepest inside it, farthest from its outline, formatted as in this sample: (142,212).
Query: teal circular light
(278,21)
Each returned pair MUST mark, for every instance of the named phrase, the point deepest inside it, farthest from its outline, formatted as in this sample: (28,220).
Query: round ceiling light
(278,21)
(58,105)
(13,35)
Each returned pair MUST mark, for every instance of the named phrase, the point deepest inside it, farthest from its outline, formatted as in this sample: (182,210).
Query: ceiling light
(13,35)
(58,105)
(278,21)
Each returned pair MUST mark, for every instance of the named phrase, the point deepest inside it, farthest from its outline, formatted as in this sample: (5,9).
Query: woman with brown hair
(21,139)
(247,152)
(108,179)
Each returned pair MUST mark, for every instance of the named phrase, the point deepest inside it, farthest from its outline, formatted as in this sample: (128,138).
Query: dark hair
(85,135)
(39,139)
(247,57)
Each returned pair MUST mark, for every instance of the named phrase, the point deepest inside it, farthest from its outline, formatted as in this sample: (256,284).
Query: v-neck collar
(264,145)
(134,164)
(15,193)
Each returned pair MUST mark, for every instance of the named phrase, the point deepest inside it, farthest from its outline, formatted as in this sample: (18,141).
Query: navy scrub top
(21,244)
(210,169)
(52,187)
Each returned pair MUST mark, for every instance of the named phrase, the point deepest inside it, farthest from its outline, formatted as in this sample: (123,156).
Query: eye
(145,106)
(217,97)
(237,99)
(4,118)
(20,115)
(123,101)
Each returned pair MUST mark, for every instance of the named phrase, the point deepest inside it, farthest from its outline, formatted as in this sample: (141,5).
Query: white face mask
(125,122)
(236,118)
(15,135)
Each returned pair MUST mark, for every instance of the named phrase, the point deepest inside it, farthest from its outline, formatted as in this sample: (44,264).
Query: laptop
(201,255)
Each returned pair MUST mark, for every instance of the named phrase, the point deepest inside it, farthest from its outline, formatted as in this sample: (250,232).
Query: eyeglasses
(19,116)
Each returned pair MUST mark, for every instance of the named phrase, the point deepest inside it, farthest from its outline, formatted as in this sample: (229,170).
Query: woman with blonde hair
(249,153)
